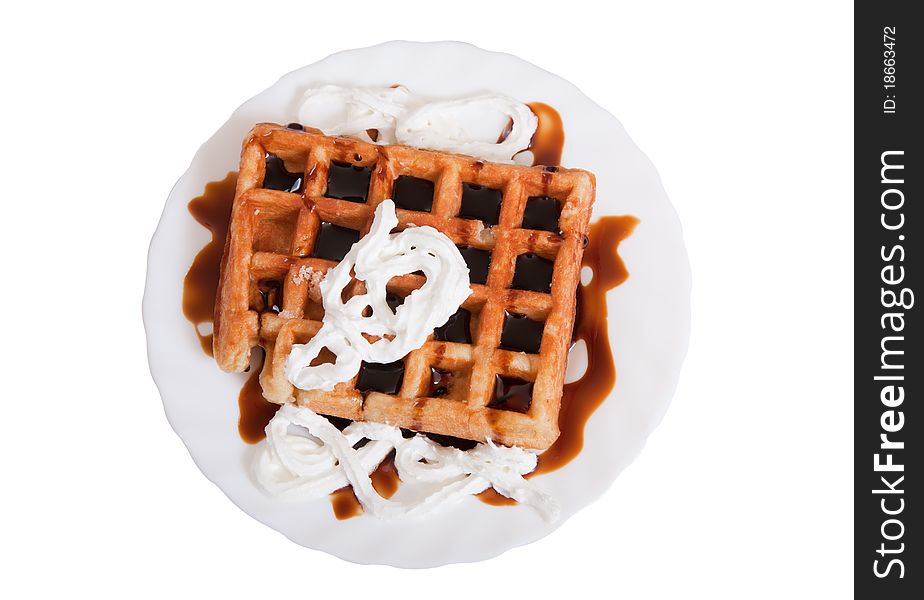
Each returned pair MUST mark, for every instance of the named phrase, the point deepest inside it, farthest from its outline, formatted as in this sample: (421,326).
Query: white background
(745,490)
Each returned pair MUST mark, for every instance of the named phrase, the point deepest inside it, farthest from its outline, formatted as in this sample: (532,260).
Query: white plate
(648,325)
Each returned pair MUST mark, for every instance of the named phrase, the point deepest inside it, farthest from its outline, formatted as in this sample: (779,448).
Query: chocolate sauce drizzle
(255,410)
(549,139)
(385,481)
(582,397)
(212,210)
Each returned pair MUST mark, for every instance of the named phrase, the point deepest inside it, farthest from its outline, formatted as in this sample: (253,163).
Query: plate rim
(682,337)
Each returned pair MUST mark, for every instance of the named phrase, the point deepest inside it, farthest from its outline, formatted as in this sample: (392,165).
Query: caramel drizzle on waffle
(272,237)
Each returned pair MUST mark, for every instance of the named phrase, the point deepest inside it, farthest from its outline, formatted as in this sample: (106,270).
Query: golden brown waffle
(268,267)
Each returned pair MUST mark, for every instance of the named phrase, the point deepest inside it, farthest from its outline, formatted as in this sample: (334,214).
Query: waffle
(466,384)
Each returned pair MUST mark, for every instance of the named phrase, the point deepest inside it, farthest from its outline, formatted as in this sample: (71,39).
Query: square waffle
(496,369)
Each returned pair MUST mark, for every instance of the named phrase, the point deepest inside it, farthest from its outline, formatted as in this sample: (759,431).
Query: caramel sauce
(212,210)
(582,397)
(549,140)
(255,410)
(505,132)
(385,478)
(495,498)
(385,481)
(345,503)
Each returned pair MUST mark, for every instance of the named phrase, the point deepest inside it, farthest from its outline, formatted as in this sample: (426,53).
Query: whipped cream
(353,111)
(306,457)
(469,125)
(375,259)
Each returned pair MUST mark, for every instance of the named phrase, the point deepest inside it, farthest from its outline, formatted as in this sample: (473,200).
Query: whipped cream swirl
(306,457)
(462,125)
(353,111)
(375,259)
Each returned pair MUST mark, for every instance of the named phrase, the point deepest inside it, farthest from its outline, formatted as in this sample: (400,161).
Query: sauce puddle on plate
(255,410)
(212,210)
(385,481)
(549,140)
